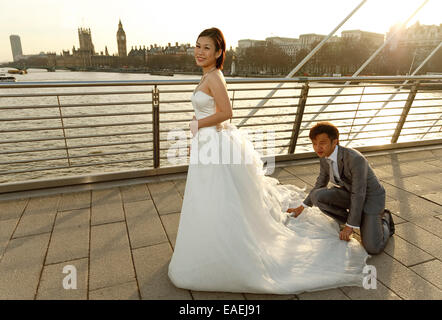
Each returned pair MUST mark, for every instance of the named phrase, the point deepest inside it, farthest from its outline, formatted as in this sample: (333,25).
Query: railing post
(299,116)
(405,112)
(64,133)
(233,101)
(156,126)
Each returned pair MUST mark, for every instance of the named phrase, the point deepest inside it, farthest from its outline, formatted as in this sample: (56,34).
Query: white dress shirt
(334,158)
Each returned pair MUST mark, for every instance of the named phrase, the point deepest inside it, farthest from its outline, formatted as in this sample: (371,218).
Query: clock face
(122,38)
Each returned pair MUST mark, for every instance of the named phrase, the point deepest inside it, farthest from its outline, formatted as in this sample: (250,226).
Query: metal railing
(105,130)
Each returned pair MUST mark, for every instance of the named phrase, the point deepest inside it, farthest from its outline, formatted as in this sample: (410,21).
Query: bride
(234,233)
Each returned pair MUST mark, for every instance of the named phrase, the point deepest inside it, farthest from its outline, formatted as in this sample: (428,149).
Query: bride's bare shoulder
(216,78)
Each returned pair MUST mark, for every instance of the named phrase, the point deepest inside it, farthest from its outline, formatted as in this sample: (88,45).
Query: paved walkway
(120,237)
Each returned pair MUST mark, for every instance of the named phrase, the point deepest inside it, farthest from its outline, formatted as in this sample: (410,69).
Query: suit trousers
(374,228)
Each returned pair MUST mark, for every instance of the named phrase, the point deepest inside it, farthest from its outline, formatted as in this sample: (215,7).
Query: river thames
(283,106)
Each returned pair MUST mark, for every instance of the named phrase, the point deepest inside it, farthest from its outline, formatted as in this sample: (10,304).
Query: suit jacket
(366,192)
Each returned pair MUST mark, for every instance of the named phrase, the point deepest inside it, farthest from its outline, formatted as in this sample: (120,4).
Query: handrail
(65,84)
(130,130)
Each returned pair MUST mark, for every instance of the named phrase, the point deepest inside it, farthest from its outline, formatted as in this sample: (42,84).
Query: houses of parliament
(86,57)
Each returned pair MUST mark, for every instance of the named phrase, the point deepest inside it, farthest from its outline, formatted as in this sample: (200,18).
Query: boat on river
(17,71)
(4,78)
(162,73)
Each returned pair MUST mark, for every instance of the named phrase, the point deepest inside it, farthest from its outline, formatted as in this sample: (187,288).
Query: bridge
(79,189)
(24,66)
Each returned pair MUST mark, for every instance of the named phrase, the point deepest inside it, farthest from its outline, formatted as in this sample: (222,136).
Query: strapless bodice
(203,104)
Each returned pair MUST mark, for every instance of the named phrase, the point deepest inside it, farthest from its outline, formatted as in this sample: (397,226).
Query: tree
(435,62)
(269,59)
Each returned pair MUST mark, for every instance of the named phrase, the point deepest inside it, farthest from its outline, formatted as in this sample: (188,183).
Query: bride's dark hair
(220,43)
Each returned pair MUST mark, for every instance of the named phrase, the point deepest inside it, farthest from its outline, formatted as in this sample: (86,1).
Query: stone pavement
(120,236)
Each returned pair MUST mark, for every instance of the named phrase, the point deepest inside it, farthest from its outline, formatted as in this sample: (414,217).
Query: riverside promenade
(120,235)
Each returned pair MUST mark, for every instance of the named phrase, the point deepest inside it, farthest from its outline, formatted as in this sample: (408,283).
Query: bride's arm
(224,109)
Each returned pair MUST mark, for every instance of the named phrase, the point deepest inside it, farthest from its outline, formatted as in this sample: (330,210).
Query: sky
(52,25)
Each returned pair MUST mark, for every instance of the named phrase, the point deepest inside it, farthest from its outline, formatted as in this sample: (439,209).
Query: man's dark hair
(220,44)
(324,127)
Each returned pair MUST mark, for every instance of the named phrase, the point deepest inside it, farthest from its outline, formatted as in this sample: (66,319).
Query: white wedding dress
(234,233)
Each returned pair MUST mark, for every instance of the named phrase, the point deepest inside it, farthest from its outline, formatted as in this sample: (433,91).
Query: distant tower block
(16,47)
(121,41)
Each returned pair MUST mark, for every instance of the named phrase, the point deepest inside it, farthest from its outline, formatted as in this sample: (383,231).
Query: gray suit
(359,200)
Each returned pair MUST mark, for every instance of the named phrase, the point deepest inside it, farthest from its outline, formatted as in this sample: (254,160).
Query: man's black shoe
(391,224)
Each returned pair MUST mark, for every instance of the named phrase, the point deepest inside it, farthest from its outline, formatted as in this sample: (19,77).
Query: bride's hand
(219,126)
(193,126)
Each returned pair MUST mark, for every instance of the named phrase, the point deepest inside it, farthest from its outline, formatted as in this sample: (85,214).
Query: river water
(139,154)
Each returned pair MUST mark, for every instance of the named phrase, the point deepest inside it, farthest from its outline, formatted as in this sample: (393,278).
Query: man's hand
(346,233)
(297,211)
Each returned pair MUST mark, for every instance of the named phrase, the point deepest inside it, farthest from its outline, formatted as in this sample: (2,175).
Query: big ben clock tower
(121,41)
